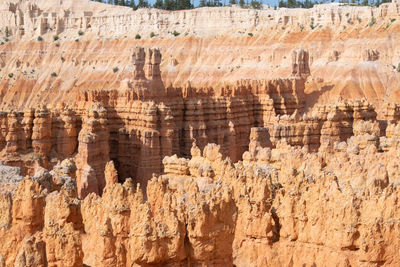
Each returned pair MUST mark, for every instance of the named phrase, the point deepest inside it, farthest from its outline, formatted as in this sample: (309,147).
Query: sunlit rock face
(206,137)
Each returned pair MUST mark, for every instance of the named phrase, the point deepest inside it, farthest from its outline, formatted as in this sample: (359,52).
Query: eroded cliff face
(253,138)
(139,124)
(142,122)
(353,51)
(278,207)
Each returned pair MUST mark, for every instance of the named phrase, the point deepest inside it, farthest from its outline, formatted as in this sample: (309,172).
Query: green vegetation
(138,37)
(372,22)
(250,34)
(297,4)
(187,4)
(175,33)
(40,38)
(312,26)
(10,75)
(256,4)
(55,38)
(152,34)
(182,4)
(398,67)
(53,74)
(80,33)
(115,69)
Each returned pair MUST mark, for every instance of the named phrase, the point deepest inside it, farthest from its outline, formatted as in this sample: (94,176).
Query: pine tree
(202,3)
(241,3)
(217,3)
(282,3)
(159,4)
(143,3)
(291,3)
(255,4)
(169,5)
(133,5)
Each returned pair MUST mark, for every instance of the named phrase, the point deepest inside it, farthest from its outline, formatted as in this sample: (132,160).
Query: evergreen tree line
(187,4)
(130,3)
(311,3)
(180,4)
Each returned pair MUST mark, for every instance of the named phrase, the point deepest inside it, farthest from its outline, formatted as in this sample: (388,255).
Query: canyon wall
(353,51)
(206,137)
(278,207)
(136,126)
(144,121)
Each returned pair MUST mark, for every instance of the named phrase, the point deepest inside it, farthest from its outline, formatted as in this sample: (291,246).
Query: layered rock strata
(280,206)
(136,126)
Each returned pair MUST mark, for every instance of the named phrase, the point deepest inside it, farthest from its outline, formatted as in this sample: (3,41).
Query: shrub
(115,69)
(152,34)
(53,74)
(10,75)
(250,34)
(80,33)
(40,38)
(55,38)
(175,33)
(76,40)
(62,59)
(372,22)
(256,4)
(392,20)
(398,67)
(137,37)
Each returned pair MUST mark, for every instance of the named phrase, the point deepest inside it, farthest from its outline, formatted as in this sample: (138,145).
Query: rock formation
(136,127)
(209,137)
(268,210)
(371,55)
(93,151)
(300,65)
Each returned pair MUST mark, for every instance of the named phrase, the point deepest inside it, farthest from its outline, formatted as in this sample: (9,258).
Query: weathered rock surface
(279,206)
(225,145)
(137,126)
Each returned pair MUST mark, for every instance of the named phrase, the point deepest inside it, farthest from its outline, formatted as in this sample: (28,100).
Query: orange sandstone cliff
(220,137)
